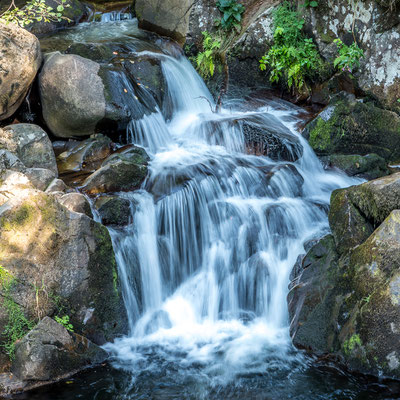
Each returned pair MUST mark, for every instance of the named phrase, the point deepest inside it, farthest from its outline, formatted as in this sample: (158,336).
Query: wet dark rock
(120,172)
(78,159)
(50,352)
(370,166)
(19,63)
(349,226)
(271,138)
(349,126)
(114,210)
(30,144)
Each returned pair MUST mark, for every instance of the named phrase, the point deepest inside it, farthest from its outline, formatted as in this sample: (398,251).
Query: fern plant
(206,59)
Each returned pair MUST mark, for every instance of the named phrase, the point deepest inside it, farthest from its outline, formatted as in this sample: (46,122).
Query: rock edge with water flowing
(56,261)
(346,301)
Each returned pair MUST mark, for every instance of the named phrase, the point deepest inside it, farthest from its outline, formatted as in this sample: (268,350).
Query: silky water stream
(205,264)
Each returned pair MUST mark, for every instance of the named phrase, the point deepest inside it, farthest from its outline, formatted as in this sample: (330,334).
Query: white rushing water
(215,233)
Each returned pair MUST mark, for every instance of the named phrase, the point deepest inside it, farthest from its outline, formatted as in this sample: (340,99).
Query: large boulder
(61,262)
(345,301)
(349,126)
(30,144)
(349,307)
(50,352)
(377,30)
(81,97)
(166,17)
(20,59)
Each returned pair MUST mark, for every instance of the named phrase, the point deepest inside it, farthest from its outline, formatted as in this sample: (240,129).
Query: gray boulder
(165,17)
(76,202)
(72,95)
(81,97)
(67,256)
(40,177)
(31,145)
(20,59)
(50,352)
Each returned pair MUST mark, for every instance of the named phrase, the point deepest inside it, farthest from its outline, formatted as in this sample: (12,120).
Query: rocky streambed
(75,145)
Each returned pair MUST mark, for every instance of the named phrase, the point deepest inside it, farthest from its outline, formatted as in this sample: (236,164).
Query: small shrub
(232,14)
(349,56)
(293,57)
(64,321)
(17,325)
(34,10)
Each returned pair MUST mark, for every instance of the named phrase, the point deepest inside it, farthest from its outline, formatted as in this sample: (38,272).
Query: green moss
(350,344)
(320,138)
(24,215)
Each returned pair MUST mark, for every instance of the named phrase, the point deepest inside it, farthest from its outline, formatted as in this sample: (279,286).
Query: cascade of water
(206,263)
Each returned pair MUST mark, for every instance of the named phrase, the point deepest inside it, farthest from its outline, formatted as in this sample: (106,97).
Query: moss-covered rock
(377,198)
(370,166)
(120,172)
(350,228)
(62,263)
(348,126)
(114,210)
(349,306)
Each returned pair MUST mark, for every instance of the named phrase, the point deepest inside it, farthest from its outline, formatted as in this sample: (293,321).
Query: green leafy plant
(293,57)
(232,14)
(349,56)
(311,3)
(17,325)
(64,321)
(34,10)
(206,59)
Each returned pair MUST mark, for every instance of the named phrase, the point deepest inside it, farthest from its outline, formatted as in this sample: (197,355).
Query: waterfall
(215,232)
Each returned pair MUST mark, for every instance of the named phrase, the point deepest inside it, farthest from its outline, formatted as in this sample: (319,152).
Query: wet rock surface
(118,173)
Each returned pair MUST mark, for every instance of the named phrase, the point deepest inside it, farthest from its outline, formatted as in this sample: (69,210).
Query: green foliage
(293,57)
(206,59)
(64,321)
(311,3)
(34,10)
(232,14)
(349,56)
(17,325)
(350,344)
